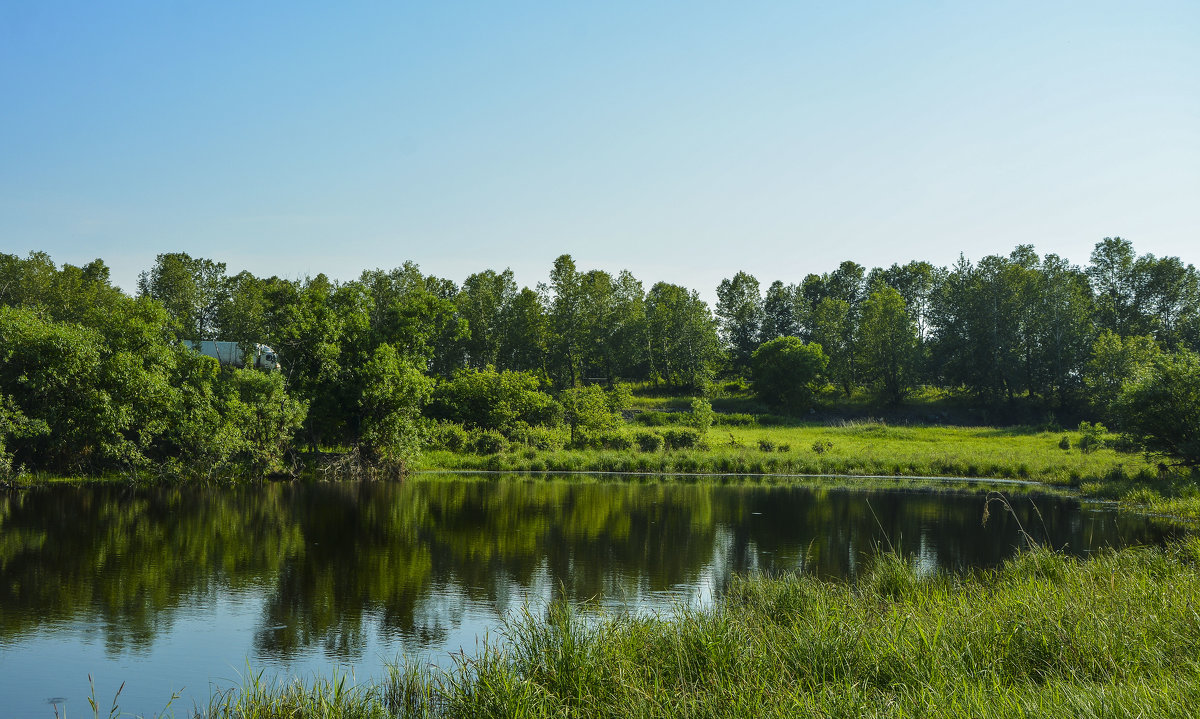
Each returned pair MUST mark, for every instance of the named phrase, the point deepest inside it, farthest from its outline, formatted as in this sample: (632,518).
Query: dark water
(184,588)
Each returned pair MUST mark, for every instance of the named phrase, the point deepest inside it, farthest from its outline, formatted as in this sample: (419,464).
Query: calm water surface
(182,589)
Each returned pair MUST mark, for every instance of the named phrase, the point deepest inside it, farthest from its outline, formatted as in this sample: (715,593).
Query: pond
(188,588)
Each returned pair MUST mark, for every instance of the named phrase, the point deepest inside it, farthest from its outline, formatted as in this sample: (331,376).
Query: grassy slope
(872,448)
(1045,635)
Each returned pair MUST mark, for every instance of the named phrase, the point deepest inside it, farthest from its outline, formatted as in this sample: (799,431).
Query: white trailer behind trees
(230,354)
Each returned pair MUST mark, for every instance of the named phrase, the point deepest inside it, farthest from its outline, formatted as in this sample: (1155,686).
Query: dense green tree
(526,335)
(1113,281)
(393,393)
(1161,409)
(1114,361)
(192,290)
(1166,299)
(628,351)
(568,332)
(978,318)
(787,372)
(739,317)
(417,316)
(1060,329)
(782,312)
(485,301)
(681,337)
(888,335)
(833,329)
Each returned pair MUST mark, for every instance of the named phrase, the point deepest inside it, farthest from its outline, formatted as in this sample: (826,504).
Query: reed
(1044,635)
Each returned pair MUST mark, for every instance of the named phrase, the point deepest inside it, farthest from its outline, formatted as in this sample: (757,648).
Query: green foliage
(538,436)
(14,425)
(588,412)
(833,331)
(766,445)
(888,336)
(617,439)
(191,289)
(735,419)
(495,400)
(487,441)
(739,316)
(265,416)
(681,336)
(786,371)
(648,441)
(1091,436)
(682,438)
(821,446)
(1161,409)
(701,416)
(393,393)
(1114,361)
(447,435)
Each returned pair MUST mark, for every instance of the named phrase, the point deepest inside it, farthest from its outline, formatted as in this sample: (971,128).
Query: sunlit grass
(1045,635)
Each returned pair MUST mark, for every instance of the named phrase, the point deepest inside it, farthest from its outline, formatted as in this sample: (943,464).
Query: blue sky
(682,141)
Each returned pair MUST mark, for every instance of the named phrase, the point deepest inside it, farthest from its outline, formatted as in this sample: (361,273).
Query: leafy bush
(393,393)
(682,438)
(701,416)
(588,412)
(784,447)
(488,441)
(538,436)
(448,435)
(786,371)
(616,439)
(648,441)
(1064,443)
(766,445)
(1092,437)
(488,399)
(821,446)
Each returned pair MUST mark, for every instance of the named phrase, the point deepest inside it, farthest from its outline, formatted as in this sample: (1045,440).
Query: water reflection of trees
(336,561)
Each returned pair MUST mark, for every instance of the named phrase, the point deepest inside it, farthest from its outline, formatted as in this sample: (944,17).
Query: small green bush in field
(538,436)
(648,441)
(821,446)
(1064,443)
(783,447)
(766,445)
(681,438)
(1092,437)
(617,439)
(488,441)
(701,416)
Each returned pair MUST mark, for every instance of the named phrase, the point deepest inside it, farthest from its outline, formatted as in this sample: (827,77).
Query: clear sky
(683,141)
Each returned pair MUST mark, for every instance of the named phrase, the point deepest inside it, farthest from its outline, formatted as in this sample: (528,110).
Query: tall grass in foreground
(1044,635)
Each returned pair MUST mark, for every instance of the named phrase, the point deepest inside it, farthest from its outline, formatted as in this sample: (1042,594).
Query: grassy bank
(851,448)
(877,448)
(1045,635)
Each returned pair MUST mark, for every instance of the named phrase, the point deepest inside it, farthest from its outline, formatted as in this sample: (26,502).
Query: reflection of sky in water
(653,549)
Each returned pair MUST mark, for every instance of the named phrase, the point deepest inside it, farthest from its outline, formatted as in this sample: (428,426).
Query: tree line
(92,377)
